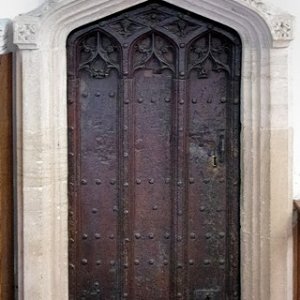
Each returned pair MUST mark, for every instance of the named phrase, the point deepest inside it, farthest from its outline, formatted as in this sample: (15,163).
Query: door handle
(218,152)
(214,159)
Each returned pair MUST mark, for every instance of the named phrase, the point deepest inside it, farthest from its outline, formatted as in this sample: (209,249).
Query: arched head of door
(154,132)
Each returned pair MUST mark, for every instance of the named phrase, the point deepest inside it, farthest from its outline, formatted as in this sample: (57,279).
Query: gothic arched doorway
(154,132)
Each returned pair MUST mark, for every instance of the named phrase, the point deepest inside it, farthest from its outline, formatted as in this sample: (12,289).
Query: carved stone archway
(266,206)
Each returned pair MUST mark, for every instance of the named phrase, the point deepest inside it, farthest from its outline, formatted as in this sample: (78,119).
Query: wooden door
(6,181)
(153,112)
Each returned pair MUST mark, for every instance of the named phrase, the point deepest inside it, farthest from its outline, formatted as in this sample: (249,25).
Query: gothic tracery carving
(99,60)
(181,27)
(154,46)
(153,16)
(208,48)
(126,27)
(280,24)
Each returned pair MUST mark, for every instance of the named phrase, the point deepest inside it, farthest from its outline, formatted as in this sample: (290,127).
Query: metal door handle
(214,159)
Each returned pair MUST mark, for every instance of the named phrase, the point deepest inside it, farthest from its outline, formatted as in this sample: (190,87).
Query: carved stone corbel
(282,28)
(280,24)
(25,32)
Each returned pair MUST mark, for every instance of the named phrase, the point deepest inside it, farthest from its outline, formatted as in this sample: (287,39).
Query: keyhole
(207,297)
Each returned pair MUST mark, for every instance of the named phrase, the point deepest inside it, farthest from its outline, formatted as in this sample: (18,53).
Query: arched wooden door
(153,116)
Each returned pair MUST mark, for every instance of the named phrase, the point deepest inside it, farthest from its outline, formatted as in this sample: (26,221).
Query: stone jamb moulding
(266,200)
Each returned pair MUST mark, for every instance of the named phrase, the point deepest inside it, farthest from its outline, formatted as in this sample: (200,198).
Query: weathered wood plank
(6,180)
(296,235)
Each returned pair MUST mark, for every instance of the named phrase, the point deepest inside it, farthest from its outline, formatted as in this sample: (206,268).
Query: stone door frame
(41,135)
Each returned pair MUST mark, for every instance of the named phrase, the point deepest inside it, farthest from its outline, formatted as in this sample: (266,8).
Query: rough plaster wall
(14,7)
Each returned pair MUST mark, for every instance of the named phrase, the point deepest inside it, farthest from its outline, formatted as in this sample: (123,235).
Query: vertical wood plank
(297,261)
(296,237)
(6,180)
(295,244)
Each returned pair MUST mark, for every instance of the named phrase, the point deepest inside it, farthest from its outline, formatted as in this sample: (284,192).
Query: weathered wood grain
(6,179)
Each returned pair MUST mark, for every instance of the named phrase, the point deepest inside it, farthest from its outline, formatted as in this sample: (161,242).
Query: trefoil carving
(101,59)
(207,49)
(154,46)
